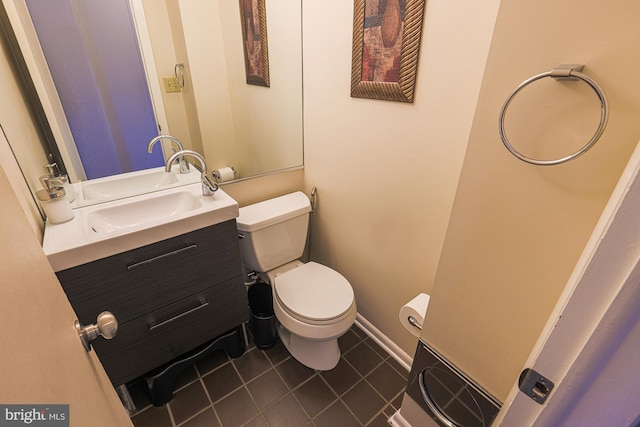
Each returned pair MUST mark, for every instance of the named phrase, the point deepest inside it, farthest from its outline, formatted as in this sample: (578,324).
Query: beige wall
(517,230)
(207,65)
(386,172)
(167,41)
(263,187)
(252,128)
(18,129)
(267,122)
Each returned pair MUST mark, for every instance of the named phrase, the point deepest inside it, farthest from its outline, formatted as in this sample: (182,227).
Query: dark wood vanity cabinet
(168,297)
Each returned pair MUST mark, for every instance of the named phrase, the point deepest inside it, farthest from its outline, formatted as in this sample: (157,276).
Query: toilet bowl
(314,306)
(313,303)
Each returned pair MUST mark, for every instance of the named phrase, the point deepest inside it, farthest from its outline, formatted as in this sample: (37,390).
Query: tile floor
(270,388)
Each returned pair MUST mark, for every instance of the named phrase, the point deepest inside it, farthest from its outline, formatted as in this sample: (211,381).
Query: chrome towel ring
(563,72)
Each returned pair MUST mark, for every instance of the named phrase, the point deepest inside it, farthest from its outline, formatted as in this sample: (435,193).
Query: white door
(590,347)
(41,358)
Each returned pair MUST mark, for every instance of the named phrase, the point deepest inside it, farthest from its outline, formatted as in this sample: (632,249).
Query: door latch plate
(535,385)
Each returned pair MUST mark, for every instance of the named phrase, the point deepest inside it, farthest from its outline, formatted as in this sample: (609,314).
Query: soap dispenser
(58,179)
(52,198)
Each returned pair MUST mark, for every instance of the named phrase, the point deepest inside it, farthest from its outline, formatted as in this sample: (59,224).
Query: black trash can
(263,319)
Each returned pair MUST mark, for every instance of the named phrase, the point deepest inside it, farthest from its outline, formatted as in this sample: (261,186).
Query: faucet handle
(184,165)
(208,187)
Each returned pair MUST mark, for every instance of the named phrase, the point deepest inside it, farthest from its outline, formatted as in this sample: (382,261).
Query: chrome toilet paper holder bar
(412,320)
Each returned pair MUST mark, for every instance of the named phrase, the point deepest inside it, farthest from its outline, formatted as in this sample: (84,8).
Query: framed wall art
(254,38)
(386,45)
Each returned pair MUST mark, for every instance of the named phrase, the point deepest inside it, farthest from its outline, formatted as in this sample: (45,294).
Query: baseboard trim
(385,342)
(397,420)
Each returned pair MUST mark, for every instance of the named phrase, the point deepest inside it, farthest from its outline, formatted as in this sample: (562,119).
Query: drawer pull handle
(202,305)
(159,257)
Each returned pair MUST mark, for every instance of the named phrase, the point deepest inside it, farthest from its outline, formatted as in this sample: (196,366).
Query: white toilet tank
(274,232)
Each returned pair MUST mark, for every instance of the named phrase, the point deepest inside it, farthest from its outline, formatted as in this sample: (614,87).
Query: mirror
(254,129)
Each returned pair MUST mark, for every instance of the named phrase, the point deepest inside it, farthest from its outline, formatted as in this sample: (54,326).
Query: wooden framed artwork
(386,44)
(254,37)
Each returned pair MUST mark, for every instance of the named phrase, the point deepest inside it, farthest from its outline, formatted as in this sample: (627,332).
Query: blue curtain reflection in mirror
(92,52)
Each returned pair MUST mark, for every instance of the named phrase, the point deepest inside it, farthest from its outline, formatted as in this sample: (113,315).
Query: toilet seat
(315,294)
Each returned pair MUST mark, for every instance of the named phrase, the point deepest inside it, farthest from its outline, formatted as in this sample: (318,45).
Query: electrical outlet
(171,84)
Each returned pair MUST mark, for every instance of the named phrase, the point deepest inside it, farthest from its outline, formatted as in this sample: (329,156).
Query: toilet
(313,303)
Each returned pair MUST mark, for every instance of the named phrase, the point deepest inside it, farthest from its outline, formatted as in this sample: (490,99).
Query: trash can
(263,319)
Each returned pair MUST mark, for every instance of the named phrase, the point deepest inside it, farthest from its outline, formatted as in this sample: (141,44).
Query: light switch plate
(171,84)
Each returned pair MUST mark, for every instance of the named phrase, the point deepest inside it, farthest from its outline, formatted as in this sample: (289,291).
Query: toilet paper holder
(412,314)
(224,174)
(412,320)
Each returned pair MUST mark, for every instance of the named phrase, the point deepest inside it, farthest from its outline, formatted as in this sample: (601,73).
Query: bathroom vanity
(174,284)
(169,297)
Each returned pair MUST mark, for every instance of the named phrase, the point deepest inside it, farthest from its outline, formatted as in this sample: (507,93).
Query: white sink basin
(105,229)
(128,184)
(131,184)
(162,207)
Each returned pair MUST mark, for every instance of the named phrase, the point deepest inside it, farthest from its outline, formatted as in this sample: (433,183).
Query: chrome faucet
(208,186)
(184,166)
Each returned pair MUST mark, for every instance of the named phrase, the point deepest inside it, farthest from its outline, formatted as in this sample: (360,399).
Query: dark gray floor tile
(397,401)
(348,341)
(363,401)
(206,419)
(366,388)
(404,373)
(236,409)
(251,364)
(375,347)
(386,381)
(341,378)
(315,396)
(250,342)
(359,332)
(267,388)
(277,353)
(188,401)
(389,410)
(221,382)
(336,415)
(293,372)
(153,416)
(379,421)
(286,413)
(257,422)
(363,358)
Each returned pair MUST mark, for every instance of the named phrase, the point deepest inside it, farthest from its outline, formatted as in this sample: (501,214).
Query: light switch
(171,84)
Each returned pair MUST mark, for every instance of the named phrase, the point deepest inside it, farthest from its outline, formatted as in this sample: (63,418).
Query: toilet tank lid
(272,211)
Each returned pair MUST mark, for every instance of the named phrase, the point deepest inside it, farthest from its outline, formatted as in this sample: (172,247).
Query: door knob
(106,325)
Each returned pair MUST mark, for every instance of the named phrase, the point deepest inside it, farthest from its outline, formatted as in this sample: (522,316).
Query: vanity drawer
(137,282)
(164,334)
